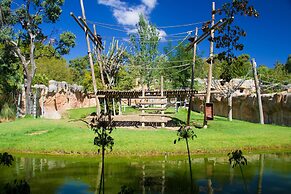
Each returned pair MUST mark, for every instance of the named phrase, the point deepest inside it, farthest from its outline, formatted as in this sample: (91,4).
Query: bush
(7,112)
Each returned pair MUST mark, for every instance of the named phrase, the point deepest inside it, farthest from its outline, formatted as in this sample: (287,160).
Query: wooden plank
(152,114)
(153,103)
(152,108)
(152,97)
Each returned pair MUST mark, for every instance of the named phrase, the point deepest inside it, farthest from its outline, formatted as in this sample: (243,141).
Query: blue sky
(268,37)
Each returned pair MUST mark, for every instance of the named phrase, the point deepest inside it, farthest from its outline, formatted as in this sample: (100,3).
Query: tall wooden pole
(90,59)
(97,53)
(258,91)
(209,79)
(192,76)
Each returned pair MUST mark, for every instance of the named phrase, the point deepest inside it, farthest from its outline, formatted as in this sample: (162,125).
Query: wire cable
(189,33)
(158,27)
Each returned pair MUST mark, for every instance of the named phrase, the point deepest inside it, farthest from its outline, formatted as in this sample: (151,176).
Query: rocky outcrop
(54,100)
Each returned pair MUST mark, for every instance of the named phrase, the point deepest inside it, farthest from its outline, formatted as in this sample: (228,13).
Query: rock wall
(276,107)
(54,100)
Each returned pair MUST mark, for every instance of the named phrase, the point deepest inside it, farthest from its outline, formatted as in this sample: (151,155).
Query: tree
(80,66)
(24,39)
(274,79)
(10,76)
(229,34)
(52,69)
(176,69)
(112,62)
(288,64)
(144,50)
(239,68)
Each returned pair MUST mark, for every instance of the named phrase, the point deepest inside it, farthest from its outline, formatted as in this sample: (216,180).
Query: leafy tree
(10,76)
(80,66)
(52,69)
(288,64)
(124,79)
(239,68)
(274,79)
(229,34)
(20,28)
(176,70)
(144,50)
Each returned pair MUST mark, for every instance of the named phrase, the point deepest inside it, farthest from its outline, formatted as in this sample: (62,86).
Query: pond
(265,173)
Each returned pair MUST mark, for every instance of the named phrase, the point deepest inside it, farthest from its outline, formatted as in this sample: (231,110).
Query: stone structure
(52,101)
(276,107)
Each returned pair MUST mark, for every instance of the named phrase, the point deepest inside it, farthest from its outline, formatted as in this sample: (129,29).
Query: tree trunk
(229,101)
(28,95)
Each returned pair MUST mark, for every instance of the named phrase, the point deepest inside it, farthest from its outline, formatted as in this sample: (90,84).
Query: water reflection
(265,173)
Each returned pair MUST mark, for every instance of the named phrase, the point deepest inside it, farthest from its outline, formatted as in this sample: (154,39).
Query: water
(265,173)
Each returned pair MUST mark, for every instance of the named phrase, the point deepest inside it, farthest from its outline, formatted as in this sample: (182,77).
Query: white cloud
(162,35)
(112,3)
(150,3)
(128,15)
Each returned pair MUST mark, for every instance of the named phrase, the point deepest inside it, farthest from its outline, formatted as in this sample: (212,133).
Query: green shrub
(7,112)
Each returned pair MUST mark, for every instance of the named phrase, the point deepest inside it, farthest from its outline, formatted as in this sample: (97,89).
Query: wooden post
(229,101)
(258,90)
(119,107)
(143,95)
(97,53)
(90,60)
(162,94)
(105,105)
(113,104)
(209,79)
(192,76)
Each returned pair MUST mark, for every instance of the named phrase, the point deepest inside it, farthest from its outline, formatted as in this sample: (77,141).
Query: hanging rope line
(158,27)
(171,67)
(189,33)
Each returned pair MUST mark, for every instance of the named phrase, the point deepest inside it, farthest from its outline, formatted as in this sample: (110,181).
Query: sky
(268,37)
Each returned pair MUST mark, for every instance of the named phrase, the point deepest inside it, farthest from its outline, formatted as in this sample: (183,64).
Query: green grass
(67,137)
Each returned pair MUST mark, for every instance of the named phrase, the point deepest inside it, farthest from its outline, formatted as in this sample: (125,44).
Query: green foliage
(124,80)
(238,68)
(80,66)
(102,125)
(7,112)
(229,34)
(20,29)
(288,64)
(81,74)
(275,79)
(52,69)
(66,42)
(179,77)
(185,132)
(144,50)
(6,159)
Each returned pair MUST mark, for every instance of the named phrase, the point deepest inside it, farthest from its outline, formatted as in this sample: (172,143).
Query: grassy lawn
(72,137)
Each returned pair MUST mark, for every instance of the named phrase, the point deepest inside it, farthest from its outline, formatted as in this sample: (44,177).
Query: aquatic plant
(185,133)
